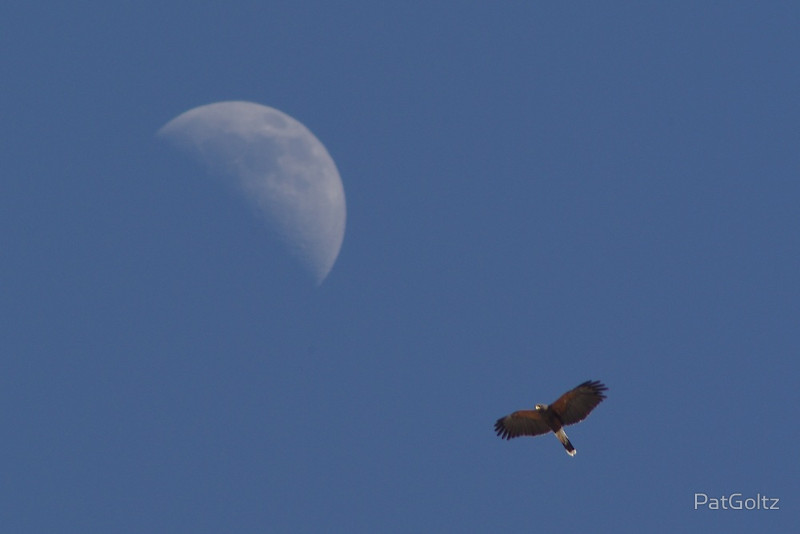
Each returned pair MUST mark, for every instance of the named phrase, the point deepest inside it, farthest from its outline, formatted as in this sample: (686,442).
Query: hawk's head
(541,407)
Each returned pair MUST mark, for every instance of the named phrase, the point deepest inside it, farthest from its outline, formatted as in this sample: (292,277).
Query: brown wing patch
(574,405)
(521,423)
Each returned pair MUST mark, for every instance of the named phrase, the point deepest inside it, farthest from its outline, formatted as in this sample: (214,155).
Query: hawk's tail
(562,437)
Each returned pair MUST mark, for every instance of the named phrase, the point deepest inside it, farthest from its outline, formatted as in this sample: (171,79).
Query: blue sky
(537,195)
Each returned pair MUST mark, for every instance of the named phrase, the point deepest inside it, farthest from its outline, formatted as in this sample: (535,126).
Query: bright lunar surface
(279,165)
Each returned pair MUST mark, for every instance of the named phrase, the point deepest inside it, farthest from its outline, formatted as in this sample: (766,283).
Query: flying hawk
(570,408)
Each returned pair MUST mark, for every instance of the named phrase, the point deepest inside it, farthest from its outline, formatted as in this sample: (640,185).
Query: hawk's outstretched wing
(574,405)
(521,423)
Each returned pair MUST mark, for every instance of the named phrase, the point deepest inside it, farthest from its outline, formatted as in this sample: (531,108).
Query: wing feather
(574,405)
(521,423)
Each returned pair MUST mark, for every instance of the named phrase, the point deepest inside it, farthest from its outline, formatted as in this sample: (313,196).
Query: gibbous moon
(279,165)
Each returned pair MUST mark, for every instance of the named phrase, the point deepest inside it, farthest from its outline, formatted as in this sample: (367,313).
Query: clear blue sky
(537,195)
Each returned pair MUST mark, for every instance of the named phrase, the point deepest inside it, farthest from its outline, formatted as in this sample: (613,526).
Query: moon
(279,165)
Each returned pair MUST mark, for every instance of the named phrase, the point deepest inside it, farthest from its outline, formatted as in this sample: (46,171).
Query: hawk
(570,408)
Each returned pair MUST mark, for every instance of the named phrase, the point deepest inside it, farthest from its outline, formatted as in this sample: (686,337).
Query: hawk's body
(570,408)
